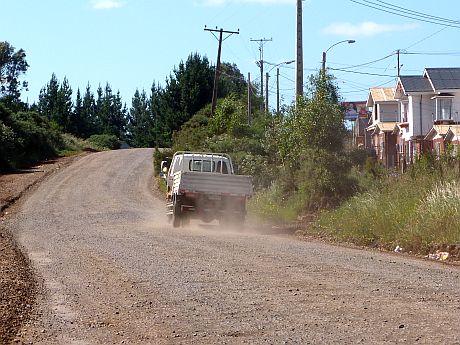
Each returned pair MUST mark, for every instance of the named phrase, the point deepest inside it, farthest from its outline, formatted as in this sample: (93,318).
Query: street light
(323,69)
(278,82)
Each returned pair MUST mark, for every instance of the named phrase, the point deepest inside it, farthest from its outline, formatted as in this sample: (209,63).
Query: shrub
(104,141)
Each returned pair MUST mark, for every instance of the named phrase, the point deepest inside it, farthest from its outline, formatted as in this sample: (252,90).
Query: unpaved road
(113,271)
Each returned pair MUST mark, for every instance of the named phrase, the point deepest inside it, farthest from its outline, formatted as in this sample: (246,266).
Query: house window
(382,148)
(404,107)
(438,149)
(407,151)
(443,109)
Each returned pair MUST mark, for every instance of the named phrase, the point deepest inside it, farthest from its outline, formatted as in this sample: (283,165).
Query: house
(382,122)
(358,113)
(428,105)
(453,138)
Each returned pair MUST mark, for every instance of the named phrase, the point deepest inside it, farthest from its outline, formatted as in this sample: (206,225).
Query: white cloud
(106,4)
(365,29)
(261,2)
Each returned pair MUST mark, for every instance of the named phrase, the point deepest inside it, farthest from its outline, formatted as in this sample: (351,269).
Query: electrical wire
(364,73)
(409,14)
(371,62)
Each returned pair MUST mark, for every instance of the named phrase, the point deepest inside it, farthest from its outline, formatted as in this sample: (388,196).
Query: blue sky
(133,43)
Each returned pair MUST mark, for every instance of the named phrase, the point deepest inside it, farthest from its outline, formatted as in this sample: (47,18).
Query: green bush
(274,206)
(26,138)
(104,141)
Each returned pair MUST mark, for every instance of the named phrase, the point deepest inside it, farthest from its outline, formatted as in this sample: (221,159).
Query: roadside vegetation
(299,160)
(417,211)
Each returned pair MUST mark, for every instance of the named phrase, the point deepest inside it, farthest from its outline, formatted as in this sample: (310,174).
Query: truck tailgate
(212,183)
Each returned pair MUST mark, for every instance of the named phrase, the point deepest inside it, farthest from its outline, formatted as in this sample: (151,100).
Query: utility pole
(217,72)
(266,92)
(299,52)
(262,42)
(399,66)
(277,91)
(249,98)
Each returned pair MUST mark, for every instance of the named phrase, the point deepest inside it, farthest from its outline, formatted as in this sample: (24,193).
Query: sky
(132,44)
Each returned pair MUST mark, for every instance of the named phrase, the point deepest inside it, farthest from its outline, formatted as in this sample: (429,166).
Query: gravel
(111,270)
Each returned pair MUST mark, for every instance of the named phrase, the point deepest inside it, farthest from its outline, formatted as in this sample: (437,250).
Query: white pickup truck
(203,185)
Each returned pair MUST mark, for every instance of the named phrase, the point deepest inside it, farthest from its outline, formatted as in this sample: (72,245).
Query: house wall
(438,146)
(456,107)
(417,127)
(388,112)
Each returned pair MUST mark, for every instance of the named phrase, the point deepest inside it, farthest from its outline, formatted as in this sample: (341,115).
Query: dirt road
(113,271)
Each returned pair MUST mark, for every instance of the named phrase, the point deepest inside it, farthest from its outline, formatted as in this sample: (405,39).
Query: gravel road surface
(113,271)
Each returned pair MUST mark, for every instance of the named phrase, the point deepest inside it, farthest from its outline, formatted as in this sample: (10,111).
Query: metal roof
(415,83)
(444,78)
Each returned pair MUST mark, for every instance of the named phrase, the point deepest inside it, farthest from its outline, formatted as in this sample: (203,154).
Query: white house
(425,101)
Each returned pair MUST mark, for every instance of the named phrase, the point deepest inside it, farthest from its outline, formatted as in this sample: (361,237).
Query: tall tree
(48,98)
(64,106)
(13,64)
(88,114)
(76,123)
(140,122)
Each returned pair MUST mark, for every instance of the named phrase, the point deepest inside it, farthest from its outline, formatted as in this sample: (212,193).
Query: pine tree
(64,107)
(76,124)
(140,122)
(48,99)
(89,116)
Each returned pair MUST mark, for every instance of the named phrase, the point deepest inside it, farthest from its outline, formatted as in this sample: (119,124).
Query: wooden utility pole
(266,91)
(217,72)
(249,98)
(399,66)
(262,42)
(277,91)
(299,52)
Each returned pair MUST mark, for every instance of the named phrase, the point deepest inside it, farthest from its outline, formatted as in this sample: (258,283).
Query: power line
(216,76)
(421,14)
(374,74)
(432,53)
(370,62)
(414,15)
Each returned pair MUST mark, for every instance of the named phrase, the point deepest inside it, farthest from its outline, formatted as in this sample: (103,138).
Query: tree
(110,112)
(48,98)
(12,65)
(231,80)
(140,123)
(64,106)
(89,119)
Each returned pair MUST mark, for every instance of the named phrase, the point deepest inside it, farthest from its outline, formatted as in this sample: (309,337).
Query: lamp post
(278,81)
(323,69)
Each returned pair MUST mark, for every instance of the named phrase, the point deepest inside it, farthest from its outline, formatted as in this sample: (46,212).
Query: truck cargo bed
(212,183)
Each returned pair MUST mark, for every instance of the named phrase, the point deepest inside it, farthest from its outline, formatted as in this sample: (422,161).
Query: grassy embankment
(419,211)
(72,145)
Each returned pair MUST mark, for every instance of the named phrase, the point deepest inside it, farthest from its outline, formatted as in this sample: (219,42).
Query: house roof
(443,78)
(453,132)
(415,83)
(380,95)
(436,130)
(382,127)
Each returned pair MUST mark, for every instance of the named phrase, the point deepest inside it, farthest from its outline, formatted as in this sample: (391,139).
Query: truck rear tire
(177,214)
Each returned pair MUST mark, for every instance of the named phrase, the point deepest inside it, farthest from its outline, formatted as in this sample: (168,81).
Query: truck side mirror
(164,169)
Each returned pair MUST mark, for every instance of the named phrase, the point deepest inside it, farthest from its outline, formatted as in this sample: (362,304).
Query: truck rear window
(208,166)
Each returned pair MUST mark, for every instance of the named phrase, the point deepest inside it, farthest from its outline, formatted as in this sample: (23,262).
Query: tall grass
(415,211)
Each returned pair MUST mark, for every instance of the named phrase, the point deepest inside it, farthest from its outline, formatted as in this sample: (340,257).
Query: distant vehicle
(203,185)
